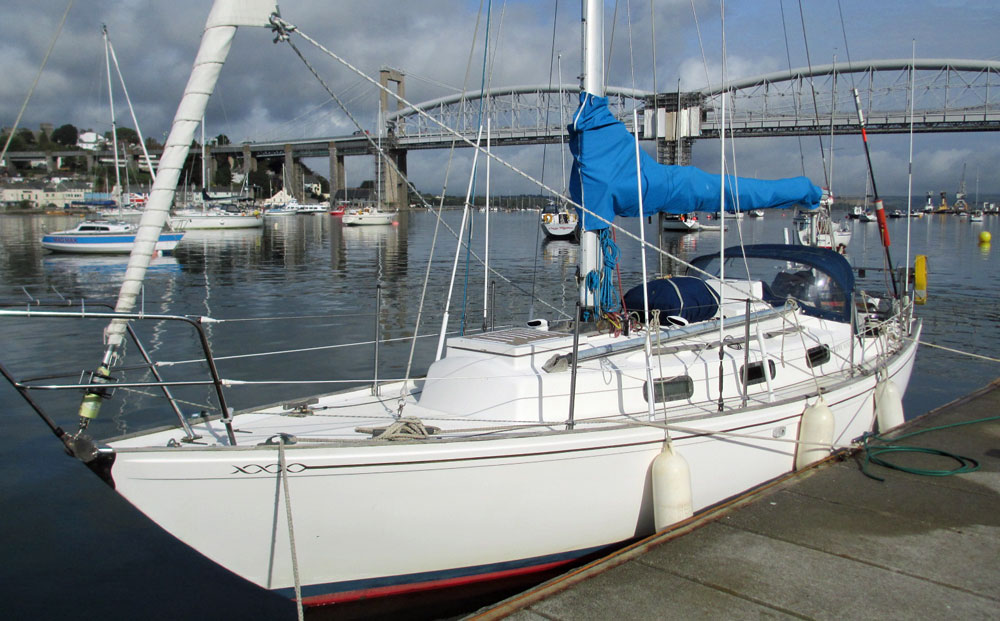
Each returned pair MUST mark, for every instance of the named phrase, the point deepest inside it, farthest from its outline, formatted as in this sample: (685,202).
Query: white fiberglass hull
(204,222)
(559,230)
(104,244)
(375,518)
(367,219)
(674,224)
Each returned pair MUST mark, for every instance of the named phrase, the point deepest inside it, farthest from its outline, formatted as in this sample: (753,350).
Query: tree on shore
(66,135)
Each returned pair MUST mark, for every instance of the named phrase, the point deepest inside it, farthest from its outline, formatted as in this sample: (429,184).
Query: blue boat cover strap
(604,175)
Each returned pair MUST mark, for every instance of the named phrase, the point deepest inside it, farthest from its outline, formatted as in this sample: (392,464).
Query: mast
(204,165)
(593,83)
(117,191)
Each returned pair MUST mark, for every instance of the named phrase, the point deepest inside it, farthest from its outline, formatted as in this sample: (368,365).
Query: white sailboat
(219,216)
(558,222)
(372,214)
(526,448)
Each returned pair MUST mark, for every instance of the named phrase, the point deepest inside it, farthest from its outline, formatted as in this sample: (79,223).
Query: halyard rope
(291,528)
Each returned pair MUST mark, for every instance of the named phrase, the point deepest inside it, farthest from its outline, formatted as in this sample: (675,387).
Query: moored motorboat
(681,222)
(103,237)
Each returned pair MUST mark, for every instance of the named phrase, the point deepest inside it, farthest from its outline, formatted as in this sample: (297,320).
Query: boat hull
(559,230)
(214,222)
(387,518)
(104,244)
(367,219)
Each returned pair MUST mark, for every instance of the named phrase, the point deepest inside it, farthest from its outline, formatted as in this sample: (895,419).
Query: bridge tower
(674,131)
(393,184)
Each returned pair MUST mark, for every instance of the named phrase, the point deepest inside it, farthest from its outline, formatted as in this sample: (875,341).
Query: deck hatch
(511,341)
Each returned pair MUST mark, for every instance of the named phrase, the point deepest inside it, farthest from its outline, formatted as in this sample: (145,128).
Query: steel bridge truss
(947,95)
(518,115)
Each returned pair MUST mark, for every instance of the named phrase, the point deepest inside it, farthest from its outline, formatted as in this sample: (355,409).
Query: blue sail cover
(604,172)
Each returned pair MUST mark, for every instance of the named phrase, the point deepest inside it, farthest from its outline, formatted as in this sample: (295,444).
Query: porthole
(670,389)
(755,372)
(816,356)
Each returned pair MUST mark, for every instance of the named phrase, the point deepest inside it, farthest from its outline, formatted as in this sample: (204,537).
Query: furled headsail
(604,172)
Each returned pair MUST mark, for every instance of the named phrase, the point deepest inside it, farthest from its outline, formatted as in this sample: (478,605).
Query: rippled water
(305,282)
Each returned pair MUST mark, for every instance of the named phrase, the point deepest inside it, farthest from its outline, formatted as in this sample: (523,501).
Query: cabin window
(816,356)
(755,372)
(670,389)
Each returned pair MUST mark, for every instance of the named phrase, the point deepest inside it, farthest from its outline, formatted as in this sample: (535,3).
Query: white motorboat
(682,222)
(103,237)
(530,447)
(312,208)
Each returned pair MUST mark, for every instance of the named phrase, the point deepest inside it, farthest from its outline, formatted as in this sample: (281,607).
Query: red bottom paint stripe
(429,585)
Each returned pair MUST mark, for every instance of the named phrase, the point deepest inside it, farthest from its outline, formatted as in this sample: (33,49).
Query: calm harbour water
(72,547)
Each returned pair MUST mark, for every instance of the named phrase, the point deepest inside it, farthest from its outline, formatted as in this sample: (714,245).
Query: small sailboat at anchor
(756,362)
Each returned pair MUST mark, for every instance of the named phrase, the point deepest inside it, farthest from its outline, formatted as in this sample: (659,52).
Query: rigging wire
(289,29)
(31,90)
(538,230)
(788,57)
(812,89)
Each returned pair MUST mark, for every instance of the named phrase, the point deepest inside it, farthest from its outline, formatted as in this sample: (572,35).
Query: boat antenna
(879,206)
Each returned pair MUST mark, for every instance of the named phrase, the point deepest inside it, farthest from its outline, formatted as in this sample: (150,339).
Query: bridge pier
(291,175)
(338,177)
(394,191)
(249,161)
(674,152)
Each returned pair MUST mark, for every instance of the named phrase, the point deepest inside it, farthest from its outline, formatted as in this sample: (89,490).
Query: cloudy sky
(265,92)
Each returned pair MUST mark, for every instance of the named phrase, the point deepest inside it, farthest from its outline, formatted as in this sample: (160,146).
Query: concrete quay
(825,543)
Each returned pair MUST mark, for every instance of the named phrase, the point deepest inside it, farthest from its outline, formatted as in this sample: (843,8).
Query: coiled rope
(602,284)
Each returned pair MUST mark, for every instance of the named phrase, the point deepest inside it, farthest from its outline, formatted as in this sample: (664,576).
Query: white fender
(888,406)
(671,488)
(815,434)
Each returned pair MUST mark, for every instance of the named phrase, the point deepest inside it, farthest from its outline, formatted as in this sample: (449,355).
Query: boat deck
(827,543)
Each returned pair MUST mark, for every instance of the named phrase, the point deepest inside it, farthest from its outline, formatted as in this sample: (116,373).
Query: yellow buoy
(671,488)
(815,434)
(888,405)
(985,237)
(920,279)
